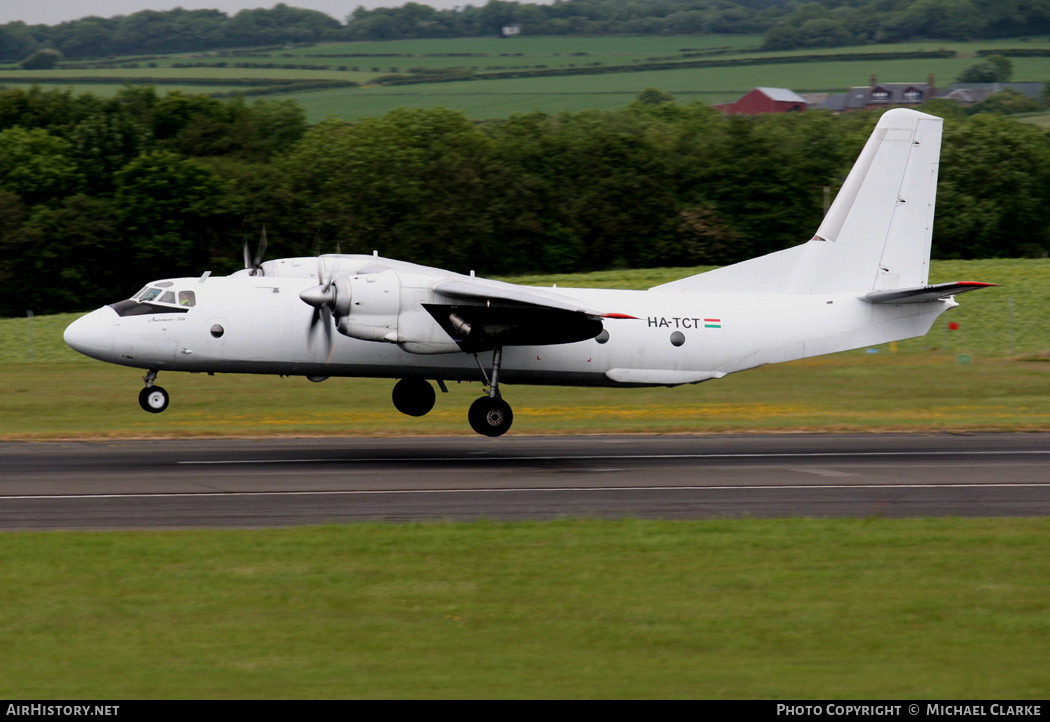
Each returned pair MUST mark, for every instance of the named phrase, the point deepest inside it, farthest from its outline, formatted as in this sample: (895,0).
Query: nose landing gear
(153,399)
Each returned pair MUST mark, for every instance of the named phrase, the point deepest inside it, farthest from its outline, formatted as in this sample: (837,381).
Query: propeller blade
(323,317)
(325,278)
(260,251)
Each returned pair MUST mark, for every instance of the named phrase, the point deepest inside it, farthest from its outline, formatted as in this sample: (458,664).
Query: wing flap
(923,294)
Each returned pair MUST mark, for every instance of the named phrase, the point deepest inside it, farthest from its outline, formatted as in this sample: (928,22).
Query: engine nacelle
(367,307)
(388,307)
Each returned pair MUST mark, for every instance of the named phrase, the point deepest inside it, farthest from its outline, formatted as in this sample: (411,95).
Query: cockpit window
(157,293)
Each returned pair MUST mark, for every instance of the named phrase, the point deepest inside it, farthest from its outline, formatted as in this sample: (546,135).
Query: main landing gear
(153,399)
(414,397)
(489,416)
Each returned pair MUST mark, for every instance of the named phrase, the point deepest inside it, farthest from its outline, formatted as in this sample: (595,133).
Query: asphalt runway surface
(275,482)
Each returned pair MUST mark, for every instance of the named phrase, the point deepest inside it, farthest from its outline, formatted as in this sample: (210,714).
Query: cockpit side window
(187,298)
(168,297)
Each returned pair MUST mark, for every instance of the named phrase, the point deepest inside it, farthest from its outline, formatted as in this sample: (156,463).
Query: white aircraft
(860,281)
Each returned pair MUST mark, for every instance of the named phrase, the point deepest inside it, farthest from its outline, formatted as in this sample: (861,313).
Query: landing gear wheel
(153,399)
(490,417)
(414,397)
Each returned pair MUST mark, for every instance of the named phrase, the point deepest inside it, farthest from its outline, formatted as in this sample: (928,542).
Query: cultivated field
(644,62)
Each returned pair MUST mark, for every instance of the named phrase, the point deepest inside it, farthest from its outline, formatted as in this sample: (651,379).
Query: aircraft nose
(92,334)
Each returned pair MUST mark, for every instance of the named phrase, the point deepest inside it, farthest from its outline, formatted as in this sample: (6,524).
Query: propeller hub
(318,296)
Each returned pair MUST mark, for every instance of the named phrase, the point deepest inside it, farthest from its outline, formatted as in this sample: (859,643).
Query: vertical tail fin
(882,219)
(877,233)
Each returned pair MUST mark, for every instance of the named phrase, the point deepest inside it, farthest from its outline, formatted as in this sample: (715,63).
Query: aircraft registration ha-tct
(861,280)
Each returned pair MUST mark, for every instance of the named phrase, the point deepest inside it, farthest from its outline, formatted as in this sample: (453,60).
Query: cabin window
(187,298)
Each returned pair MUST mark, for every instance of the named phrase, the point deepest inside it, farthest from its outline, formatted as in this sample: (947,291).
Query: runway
(274,482)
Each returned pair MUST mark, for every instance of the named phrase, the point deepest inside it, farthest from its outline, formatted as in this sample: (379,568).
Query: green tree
(823,33)
(416,183)
(951,19)
(78,257)
(981,72)
(36,165)
(167,206)
(102,144)
(14,252)
(41,60)
(653,96)
(1003,65)
(603,182)
(991,200)
(1006,102)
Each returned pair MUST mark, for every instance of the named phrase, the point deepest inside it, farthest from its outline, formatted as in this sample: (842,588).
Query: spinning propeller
(323,298)
(254,265)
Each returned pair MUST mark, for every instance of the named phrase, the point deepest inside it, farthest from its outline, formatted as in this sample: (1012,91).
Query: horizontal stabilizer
(923,294)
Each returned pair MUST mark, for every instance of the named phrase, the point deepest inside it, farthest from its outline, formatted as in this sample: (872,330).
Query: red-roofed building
(765,100)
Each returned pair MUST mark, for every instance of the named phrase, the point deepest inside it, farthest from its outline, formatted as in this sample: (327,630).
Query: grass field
(1040,119)
(482,99)
(757,609)
(990,374)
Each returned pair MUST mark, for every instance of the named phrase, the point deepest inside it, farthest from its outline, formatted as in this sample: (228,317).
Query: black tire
(153,399)
(490,417)
(414,397)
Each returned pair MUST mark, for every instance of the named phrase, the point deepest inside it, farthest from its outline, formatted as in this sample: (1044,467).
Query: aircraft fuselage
(258,324)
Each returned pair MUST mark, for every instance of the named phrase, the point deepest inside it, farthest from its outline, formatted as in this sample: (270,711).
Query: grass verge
(853,392)
(768,609)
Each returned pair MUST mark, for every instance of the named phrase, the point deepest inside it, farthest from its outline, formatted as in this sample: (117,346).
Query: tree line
(100,195)
(786,24)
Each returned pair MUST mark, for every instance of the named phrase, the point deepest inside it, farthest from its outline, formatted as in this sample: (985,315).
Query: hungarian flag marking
(712,323)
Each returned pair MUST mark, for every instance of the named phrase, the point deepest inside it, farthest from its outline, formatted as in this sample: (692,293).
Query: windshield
(162,293)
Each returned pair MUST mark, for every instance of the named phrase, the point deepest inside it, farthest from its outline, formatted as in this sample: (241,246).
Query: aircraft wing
(923,294)
(481,289)
(482,314)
